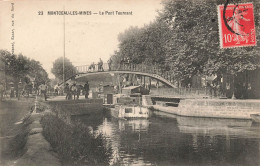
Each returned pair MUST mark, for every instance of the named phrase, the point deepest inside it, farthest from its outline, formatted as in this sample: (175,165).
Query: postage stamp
(236,25)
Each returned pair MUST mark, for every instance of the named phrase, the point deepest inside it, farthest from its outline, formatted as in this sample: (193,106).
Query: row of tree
(184,39)
(16,68)
(19,68)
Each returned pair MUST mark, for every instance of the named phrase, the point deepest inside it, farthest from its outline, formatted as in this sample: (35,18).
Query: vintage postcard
(130,82)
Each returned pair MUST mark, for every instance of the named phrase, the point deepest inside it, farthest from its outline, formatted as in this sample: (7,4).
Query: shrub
(74,143)
(18,143)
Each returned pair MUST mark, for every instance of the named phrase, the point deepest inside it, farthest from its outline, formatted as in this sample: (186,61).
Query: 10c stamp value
(236,25)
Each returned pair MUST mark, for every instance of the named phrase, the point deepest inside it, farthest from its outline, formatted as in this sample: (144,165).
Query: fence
(151,69)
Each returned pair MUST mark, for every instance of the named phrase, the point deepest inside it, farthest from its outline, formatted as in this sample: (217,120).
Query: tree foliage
(57,69)
(19,67)
(185,39)
(195,47)
(144,45)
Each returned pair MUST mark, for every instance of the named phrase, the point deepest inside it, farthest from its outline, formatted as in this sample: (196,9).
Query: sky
(87,37)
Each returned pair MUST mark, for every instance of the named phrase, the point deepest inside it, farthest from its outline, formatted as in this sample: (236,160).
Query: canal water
(166,139)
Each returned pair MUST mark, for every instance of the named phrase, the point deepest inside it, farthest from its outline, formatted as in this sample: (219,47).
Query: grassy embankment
(14,134)
(18,143)
(74,143)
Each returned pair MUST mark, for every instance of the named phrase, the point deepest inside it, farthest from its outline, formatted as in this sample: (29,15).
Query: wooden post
(144,81)
(150,84)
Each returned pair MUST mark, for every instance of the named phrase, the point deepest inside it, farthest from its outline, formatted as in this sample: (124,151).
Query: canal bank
(39,152)
(64,109)
(21,141)
(211,108)
(73,141)
(29,136)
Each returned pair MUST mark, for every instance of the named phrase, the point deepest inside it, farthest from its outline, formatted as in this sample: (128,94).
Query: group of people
(21,90)
(74,91)
(99,65)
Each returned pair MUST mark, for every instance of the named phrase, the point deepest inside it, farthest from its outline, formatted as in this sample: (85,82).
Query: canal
(166,139)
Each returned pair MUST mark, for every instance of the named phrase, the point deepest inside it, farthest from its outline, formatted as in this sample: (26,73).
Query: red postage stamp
(236,25)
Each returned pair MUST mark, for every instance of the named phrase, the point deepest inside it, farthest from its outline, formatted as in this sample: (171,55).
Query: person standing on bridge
(100,65)
(109,62)
(86,89)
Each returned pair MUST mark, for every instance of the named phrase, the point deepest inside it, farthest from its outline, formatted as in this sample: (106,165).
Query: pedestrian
(43,89)
(86,89)
(12,92)
(20,90)
(92,67)
(56,90)
(100,65)
(73,90)
(2,89)
(67,91)
(27,89)
(109,62)
(79,87)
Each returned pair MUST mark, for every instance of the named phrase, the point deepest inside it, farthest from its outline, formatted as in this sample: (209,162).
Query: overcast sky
(88,37)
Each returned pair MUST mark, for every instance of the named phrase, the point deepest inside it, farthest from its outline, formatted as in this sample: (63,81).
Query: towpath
(11,112)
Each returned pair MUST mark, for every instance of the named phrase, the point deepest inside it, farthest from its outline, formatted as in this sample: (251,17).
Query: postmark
(236,25)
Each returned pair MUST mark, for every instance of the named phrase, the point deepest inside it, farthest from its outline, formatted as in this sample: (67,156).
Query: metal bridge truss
(140,69)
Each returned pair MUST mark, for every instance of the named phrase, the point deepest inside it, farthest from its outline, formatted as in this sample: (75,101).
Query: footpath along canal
(21,141)
(11,112)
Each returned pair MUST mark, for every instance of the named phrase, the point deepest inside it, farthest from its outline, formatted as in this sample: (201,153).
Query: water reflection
(215,126)
(172,140)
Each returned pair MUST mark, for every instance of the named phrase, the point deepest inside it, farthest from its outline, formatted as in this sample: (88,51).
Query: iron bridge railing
(144,68)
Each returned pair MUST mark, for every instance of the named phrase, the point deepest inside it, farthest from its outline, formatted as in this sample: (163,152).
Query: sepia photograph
(129,82)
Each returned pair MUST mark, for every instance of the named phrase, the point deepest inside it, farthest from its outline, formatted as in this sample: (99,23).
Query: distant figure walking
(12,92)
(73,89)
(86,89)
(43,89)
(67,91)
(56,90)
(109,64)
(100,65)
(79,88)
(27,89)
(20,90)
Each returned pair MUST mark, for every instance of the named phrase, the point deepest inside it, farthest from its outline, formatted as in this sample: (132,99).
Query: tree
(20,68)
(145,45)
(194,47)
(57,69)
(36,71)
(185,39)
